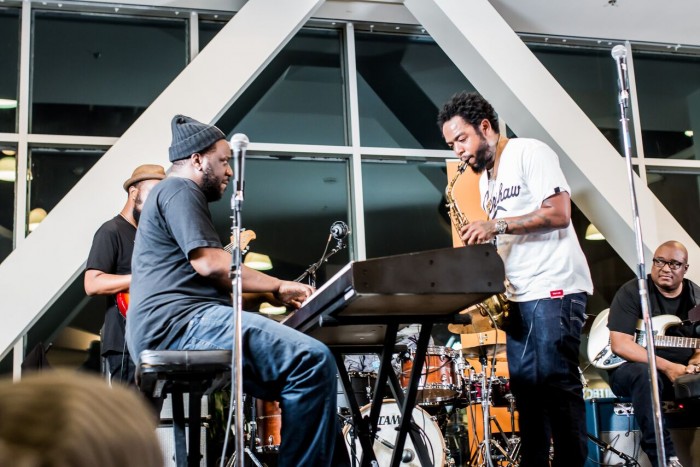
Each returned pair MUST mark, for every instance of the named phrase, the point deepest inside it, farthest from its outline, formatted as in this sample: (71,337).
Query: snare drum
(269,425)
(388,429)
(439,380)
(500,392)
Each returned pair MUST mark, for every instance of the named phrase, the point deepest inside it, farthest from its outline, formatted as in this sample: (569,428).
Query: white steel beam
(34,275)
(489,53)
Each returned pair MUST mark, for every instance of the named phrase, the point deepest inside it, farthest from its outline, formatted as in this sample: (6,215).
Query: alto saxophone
(496,307)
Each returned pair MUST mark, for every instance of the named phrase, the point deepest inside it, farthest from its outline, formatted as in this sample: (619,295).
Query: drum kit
(453,413)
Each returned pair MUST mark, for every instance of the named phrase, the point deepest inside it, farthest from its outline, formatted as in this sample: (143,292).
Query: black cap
(191,136)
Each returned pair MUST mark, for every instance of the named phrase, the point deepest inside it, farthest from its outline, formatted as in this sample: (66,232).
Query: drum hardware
(251,433)
(490,452)
(489,343)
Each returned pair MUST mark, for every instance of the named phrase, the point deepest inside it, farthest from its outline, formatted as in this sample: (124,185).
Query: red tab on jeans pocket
(556,293)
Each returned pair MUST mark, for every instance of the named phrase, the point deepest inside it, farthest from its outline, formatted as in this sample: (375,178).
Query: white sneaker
(674,462)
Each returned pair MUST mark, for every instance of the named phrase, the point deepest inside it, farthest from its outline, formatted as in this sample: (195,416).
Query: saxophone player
(527,199)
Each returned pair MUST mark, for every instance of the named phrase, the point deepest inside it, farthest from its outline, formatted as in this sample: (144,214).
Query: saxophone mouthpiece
(462,167)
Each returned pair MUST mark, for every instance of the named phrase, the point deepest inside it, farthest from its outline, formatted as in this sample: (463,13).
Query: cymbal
(486,350)
(484,344)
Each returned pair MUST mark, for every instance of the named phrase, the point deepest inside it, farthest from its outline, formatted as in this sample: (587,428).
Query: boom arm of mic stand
(311,270)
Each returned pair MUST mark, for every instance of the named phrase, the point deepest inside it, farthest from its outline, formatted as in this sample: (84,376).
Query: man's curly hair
(471,107)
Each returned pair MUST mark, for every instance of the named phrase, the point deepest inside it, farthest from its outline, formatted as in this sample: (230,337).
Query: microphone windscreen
(619,51)
(239,141)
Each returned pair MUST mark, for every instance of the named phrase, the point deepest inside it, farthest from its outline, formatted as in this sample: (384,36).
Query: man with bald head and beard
(669,294)
(181,298)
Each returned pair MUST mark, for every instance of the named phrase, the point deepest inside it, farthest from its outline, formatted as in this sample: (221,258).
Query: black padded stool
(687,388)
(175,372)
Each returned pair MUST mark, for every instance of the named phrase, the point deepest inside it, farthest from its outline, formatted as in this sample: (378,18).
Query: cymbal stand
(488,447)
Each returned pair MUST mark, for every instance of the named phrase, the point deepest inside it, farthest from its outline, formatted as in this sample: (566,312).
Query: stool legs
(179,430)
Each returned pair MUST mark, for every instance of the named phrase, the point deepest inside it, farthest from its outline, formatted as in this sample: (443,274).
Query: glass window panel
(405,207)
(9,63)
(680,193)
(668,91)
(102,71)
(402,83)
(53,173)
(8,175)
(298,98)
(589,76)
(6,363)
(291,204)
(207,31)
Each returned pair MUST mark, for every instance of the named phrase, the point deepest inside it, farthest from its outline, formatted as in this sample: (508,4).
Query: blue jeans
(631,379)
(543,341)
(280,364)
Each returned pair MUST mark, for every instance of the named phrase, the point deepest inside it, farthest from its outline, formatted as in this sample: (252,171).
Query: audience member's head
(71,419)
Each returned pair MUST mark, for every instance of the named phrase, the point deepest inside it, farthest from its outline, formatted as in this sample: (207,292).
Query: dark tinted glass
(298,98)
(669,103)
(94,75)
(405,207)
(291,205)
(402,82)
(589,76)
(54,172)
(8,175)
(9,64)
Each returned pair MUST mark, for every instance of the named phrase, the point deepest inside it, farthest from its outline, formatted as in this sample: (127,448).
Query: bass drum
(387,430)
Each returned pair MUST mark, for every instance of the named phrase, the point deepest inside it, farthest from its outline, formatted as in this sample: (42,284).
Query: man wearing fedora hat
(108,269)
(181,298)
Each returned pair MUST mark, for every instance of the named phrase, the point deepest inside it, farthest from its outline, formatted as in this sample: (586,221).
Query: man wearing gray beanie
(181,297)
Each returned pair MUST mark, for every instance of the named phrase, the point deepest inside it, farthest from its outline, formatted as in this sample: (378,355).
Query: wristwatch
(501,226)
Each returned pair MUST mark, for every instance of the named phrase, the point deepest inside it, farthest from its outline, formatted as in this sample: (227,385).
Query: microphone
(339,230)
(239,143)
(619,53)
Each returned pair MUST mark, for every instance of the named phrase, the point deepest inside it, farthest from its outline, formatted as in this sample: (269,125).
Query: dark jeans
(280,364)
(543,345)
(120,368)
(632,380)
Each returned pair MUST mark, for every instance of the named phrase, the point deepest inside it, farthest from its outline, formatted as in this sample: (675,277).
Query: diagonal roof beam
(36,273)
(494,59)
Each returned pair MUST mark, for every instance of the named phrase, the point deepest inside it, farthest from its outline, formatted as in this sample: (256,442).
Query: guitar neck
(675,341)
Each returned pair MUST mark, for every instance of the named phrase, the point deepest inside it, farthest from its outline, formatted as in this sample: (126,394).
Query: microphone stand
(619,53)
(311,270)
(239,143)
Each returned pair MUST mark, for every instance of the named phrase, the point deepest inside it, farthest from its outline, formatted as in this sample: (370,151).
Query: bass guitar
(600,352)
(247,236)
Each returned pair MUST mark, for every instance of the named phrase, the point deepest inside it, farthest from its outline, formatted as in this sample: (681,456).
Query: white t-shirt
(538,265)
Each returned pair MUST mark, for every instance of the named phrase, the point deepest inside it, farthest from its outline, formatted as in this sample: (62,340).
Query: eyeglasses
(672,265)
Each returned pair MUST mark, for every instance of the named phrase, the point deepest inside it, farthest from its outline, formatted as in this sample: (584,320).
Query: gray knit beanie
(191,136)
